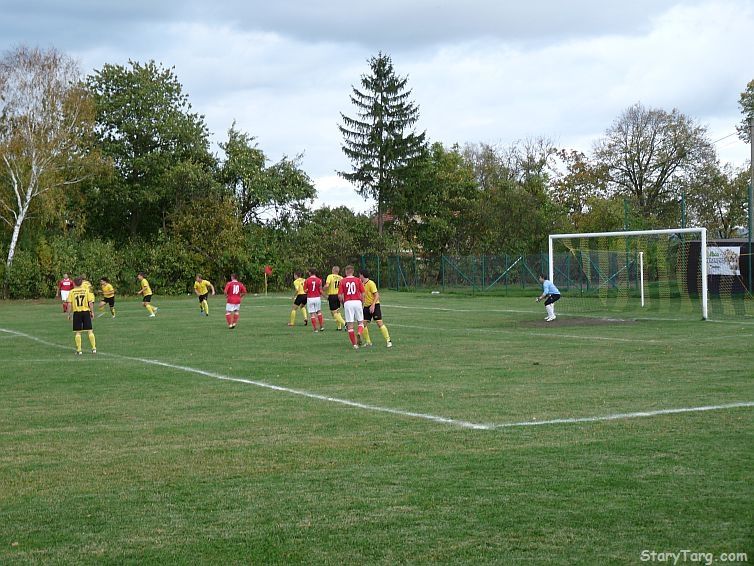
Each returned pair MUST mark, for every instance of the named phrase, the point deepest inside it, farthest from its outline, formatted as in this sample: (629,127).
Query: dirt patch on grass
(576,321)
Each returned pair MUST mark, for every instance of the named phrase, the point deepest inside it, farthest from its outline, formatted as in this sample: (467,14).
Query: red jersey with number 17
(313,286)
(233,292)
(351,288)
(65,284)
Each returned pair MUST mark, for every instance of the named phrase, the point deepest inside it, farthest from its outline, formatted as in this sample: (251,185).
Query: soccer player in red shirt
(234,292)
(351,293)
(64,287)
(313,286)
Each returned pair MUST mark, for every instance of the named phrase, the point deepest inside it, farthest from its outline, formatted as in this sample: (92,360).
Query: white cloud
(333,191)
(492,71)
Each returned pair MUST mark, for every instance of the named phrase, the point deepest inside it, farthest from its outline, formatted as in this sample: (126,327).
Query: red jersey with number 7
(351,288)
(313,286)
(233,292)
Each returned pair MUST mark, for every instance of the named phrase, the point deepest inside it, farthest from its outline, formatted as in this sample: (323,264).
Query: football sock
(321,320)
(339,319)
(293,318)
(77,339)
(306,314)
(385,333)
(112,311)
(150,308)
(229,318)
(205,307)
(361,329)
(366,335)
(352,336)
(92,341)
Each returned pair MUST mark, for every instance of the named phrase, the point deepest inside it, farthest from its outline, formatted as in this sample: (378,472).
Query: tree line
(113,173)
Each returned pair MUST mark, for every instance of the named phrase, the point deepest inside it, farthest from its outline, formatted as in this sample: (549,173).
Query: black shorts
(334,302)
(377,315)
(110,301)
(82,320)
(551,299)
(147,299)
(203,297)
(300,300)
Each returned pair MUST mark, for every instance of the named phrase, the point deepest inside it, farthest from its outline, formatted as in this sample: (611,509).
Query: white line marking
(633,316)
(355,404)
(519,332)
(424,416)
(622,416)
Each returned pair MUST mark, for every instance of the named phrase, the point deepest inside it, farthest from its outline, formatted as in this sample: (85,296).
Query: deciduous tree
(146,126)
(277,193)
(648,154)
(45,133)
(746,102)
(718,200)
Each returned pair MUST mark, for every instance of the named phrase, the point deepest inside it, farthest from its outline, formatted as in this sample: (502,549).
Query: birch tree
(45,126)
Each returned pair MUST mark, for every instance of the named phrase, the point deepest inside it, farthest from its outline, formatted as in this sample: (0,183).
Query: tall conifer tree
(379,141)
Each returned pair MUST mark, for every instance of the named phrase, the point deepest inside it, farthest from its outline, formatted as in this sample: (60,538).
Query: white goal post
(702,232)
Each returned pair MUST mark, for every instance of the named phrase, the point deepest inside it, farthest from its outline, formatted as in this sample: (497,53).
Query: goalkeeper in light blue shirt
(550,294)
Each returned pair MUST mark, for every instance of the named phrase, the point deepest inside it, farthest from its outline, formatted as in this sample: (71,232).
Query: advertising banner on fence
(723,260)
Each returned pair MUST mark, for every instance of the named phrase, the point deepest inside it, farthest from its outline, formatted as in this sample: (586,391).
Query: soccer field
(483,436)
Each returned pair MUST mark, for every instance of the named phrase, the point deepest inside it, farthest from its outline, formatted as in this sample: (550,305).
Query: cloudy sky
(492,71)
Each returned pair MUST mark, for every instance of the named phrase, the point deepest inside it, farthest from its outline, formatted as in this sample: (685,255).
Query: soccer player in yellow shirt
(299,299)
(331,284)
(85,283)
(202,288)
(81,301)
(146,295)
(372,310)
(108,296)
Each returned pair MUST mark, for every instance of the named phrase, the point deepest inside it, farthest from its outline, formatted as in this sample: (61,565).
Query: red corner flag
(267,270)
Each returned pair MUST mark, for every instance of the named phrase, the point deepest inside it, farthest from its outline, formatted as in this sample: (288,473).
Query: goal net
(632,273)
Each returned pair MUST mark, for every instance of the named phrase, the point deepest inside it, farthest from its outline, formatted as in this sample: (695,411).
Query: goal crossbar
(703,260)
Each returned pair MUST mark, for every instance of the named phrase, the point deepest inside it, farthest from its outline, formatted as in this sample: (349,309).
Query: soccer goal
(635,271)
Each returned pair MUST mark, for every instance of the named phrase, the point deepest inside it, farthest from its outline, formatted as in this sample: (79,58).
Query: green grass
(109,459)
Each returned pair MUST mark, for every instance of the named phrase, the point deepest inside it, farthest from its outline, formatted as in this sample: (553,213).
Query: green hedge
(327,237)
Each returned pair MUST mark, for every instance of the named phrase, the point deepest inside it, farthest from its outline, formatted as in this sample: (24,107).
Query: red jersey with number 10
(233,292)
(352,288)
(65,284)
(313,286)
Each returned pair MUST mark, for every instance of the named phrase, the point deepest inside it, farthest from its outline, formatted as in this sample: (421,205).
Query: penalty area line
(272,387)
(625,416)
(399,412)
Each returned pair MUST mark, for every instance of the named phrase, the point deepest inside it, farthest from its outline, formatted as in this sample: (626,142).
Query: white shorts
(314,305)
(353,311)
(229,307)
(64,296)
